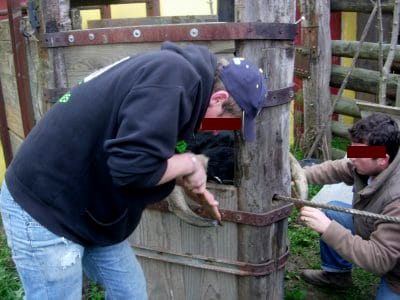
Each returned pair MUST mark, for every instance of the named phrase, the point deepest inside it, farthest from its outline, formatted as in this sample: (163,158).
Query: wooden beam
(263,166)
(368,50)
(363,80)
(347,106)
(364,6)
(316,39)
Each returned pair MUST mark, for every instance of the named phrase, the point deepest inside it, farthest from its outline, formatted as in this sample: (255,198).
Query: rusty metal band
(240,217)
(172,32)
(279,97)
(4,133)
(211,263)
(21,66)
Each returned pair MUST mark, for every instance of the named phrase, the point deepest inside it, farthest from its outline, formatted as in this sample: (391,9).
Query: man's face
(368,166)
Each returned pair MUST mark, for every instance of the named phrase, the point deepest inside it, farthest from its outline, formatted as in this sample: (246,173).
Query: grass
(304,254)
(10,286)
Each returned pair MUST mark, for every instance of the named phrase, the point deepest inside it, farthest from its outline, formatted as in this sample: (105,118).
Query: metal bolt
(91,36)
(194,32)
(137,33)
(71,38)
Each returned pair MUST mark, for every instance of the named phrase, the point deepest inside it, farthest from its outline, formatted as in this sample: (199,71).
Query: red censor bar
(221,124)
(366,151)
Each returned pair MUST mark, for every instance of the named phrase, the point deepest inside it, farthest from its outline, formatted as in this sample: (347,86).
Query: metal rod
(352,211)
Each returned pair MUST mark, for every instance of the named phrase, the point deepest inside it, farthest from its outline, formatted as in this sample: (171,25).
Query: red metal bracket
(213,264)
(241,217)
(173,32)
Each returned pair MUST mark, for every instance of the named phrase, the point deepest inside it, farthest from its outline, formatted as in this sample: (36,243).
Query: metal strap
(240,217)
(211,263)
(279,97)
(172,32)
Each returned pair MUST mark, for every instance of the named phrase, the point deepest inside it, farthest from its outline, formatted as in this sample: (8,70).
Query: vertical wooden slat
(263,166)
(316,92)
(21,65)
(153,8)
(226,10)
(4,134)
(105,11)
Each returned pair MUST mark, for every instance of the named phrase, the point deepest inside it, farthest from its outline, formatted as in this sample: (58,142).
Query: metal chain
(352,211)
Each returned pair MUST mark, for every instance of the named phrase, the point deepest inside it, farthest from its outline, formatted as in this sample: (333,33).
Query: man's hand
(314,218)
(208,202)
(196,181)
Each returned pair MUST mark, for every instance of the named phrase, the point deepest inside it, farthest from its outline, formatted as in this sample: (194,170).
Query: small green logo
(181,146)
(65,98)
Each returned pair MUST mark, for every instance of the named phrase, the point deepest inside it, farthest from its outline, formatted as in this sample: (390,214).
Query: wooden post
(263,166)
(55,17)
(316,37)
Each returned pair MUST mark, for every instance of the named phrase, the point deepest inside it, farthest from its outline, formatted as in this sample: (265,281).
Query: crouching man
(345,239)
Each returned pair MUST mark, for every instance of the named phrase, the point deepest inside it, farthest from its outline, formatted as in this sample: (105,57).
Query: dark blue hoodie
(90,166)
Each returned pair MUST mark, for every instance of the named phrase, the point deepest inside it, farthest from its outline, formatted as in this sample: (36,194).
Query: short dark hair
(377,129)
(229,106)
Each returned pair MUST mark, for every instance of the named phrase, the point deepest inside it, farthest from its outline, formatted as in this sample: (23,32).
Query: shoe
(333,280)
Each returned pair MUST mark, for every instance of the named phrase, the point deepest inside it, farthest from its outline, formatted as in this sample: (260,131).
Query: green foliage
(10,286)
(340,143)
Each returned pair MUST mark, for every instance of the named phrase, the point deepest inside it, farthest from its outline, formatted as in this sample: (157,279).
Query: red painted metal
(21,66)
(240,217)
(173,32)
(4,134)
(211,263)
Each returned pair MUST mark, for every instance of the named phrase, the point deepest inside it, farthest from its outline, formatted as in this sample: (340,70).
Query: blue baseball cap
(246,84)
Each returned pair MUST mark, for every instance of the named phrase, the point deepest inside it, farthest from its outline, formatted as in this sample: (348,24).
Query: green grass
(10,286)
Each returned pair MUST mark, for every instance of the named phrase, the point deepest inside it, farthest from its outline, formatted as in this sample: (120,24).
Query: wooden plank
(5,30)
(83,60)
(263,166)
(166,231)
(11,103)
(151,21)
(368,108)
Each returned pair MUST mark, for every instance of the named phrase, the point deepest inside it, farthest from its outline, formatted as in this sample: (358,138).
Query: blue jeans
(331,260)
(51,267)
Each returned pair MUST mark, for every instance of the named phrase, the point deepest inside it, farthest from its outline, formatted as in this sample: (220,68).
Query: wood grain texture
(263,166)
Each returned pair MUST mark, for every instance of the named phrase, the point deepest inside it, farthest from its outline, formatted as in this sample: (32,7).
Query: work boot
(333,280)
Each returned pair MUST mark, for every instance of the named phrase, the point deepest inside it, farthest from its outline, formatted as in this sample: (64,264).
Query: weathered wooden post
(316,40)
(263,167)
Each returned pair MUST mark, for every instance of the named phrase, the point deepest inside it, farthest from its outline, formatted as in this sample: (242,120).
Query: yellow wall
(167,8)
(349,32)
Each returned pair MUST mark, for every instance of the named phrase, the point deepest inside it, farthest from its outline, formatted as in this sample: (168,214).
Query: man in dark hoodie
(115,143)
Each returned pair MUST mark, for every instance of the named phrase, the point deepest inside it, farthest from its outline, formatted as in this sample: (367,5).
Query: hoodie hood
(205,64)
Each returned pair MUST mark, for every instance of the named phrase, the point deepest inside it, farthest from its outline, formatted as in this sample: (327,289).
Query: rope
(352,211)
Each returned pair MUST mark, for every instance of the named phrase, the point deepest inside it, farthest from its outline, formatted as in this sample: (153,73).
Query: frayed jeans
(332,262)
(51,267)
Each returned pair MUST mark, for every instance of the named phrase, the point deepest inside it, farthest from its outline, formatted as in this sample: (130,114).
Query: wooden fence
(245,258)
(313,65)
